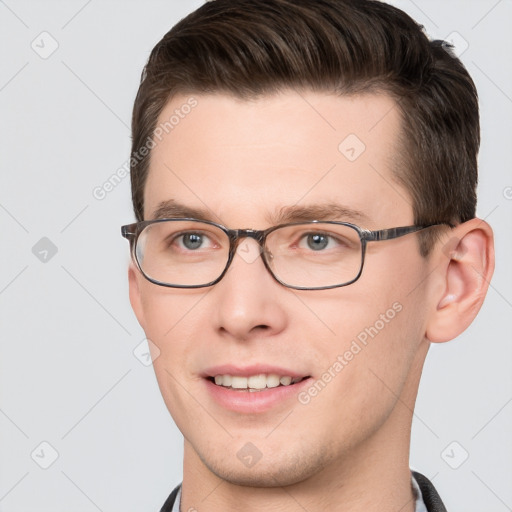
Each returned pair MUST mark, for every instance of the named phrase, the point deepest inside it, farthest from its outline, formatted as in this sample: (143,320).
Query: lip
(247,402)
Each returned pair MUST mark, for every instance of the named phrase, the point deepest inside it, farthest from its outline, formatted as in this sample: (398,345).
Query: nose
(248,301)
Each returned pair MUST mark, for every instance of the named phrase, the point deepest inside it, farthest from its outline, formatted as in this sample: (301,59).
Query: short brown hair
(249,48)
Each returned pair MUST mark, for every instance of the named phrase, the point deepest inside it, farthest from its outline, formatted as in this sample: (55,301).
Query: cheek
(168,312)
(173,326)
(372,330)
(376,336)
(365,368)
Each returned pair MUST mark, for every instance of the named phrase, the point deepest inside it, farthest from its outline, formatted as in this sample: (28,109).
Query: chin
(280,471)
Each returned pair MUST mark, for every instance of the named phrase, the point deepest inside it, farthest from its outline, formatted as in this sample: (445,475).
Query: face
(356,351)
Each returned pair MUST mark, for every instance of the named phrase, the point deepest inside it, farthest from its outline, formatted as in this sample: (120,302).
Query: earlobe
(467,264)
(135,294)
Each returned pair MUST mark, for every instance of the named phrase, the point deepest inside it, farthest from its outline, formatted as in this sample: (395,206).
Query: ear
(135,294)
(466,265)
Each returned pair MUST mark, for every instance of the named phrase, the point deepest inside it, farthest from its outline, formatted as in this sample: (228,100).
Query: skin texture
(348,447)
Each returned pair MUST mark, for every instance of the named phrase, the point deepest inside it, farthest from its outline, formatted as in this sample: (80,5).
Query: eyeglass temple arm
(389,234)
(128,231)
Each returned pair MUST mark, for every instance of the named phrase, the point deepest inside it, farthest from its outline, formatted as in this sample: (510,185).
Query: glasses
(315,255)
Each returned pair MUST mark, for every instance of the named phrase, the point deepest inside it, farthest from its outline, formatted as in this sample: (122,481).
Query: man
(303,177)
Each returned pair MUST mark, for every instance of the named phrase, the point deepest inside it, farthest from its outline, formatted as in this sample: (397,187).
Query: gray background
(69,376)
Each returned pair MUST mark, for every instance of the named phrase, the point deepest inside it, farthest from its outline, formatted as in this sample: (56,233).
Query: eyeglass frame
(132,232)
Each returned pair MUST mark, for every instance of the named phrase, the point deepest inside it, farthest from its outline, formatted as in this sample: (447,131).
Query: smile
(253,383)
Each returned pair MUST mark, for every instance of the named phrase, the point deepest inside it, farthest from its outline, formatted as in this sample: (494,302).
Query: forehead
(244,160)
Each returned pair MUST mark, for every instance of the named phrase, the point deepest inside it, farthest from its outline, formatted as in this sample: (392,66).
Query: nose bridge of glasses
(247,251)
(255,234)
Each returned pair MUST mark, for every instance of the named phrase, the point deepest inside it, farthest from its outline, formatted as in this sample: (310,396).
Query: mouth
(254,383)
(255,388)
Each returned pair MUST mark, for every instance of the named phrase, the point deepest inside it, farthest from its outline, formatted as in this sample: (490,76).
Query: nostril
(263,327)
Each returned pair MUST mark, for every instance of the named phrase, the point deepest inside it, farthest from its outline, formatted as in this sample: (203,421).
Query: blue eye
(317,241)
(191,240)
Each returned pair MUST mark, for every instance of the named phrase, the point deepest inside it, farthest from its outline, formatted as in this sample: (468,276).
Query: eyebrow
(326,211)
(171,209)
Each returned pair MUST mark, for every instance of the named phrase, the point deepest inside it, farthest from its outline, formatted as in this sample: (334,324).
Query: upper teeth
(261,381)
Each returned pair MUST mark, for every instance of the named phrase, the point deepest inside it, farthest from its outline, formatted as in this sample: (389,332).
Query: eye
(319,241)
(192,241)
